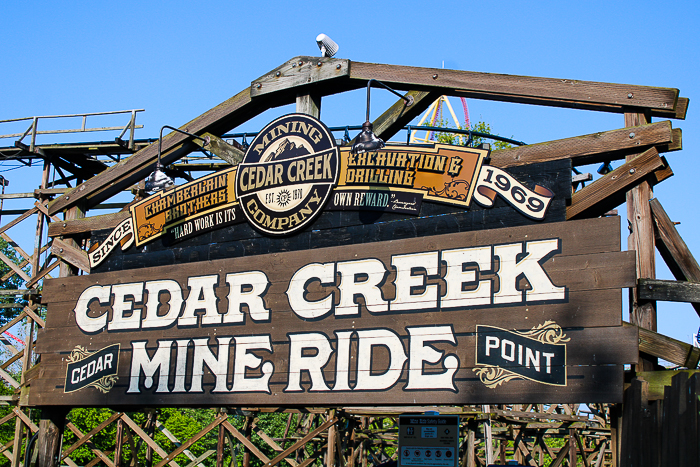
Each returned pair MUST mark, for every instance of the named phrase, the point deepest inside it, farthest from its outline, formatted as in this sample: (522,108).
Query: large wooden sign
(526,314)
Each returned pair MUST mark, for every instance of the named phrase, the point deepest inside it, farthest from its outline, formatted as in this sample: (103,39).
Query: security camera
(327,45)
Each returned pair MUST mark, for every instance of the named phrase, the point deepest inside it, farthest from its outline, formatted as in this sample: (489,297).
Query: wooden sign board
(525,314)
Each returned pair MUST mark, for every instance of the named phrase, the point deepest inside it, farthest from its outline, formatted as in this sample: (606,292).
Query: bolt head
(632,171)
(632,135)
(435,76)
(278,74)
(301,63)
(337,67)
(319,63)
(258,85)
(630,95)
(60,250)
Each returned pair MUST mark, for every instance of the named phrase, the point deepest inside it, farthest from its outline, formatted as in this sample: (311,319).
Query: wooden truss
(367,436)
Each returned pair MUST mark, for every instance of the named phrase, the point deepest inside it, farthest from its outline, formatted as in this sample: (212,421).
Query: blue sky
(179,59)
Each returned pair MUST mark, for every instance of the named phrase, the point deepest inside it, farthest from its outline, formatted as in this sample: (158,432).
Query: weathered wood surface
(671,291)
(673,249)
(221,148)
(71,254)
(589,266)
(609,191)
(592,148)
(668,348)
(300,72)
(87,224)
(523,89)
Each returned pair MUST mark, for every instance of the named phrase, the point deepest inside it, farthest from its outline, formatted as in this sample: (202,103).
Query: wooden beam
(670,291)
(309,104)
(399,115)
(86,224)
(610,190)
(300,72)
(70,254)
(673,249)
(221,148)
(11,264)
(641,240)
(667,348)
(44,272)
(592,148)
(577,94)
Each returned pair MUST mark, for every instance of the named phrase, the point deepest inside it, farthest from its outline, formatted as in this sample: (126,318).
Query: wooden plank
(41,207)
(668,348)
(671,291)
(84,439)
(221,148)
(67,252)
(673,249)
(160,427)
(300,72)
(43,273)
(523,89)
(609,191)
(245,441)
(86,224)
(103,457)
(144,436)
(589,149)
(25,419)
(14,267)
(280,457)
(30,311)
(217,421)
(19,219)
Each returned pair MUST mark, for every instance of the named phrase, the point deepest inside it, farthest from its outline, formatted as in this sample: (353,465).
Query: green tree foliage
(457,139)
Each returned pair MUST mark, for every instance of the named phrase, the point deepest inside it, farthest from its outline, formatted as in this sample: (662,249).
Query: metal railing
(33,127)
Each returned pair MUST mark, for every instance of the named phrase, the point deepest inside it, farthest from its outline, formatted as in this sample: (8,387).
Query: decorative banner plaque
(292,171)
(513,315)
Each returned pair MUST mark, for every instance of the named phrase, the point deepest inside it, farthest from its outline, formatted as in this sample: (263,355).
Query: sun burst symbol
(284,197)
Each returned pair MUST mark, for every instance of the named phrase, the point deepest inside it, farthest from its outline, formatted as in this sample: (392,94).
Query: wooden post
(220,447)
(572,447)
(118,443)
(641,240)
(309,104)
(247,430)
(330,453)
(51,427)
(488,439)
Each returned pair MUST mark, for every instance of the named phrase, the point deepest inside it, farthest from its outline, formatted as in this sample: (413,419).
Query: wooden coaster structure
(595,434)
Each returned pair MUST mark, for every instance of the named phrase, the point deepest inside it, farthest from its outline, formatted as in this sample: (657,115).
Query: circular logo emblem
(287,174)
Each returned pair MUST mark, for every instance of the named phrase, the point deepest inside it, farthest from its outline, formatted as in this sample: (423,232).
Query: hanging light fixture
(158,180)
(367,140)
